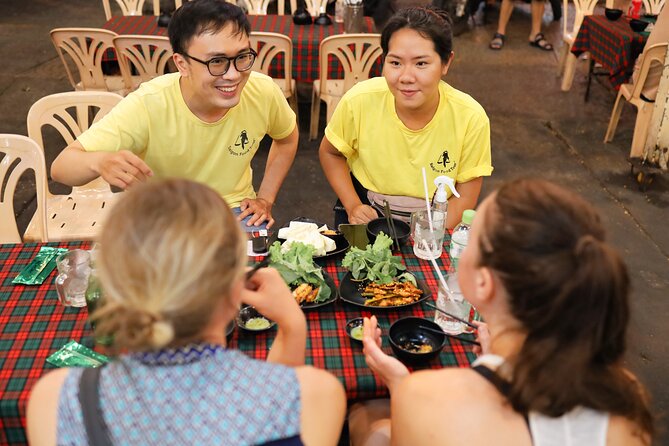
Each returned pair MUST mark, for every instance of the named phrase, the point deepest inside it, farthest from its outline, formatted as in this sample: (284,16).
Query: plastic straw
(442,280)
(427,201)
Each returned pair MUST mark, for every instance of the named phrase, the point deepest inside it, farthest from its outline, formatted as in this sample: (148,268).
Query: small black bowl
(381,225)
(638,25)
(407,331)
(613,14)
(247,313)
(353,323)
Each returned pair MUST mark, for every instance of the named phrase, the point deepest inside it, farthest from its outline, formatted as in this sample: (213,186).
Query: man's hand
(123,169)
(259,209)
(389,369)
(362,214)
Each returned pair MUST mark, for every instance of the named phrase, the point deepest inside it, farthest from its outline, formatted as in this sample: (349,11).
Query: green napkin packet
(39,267)
(74,354)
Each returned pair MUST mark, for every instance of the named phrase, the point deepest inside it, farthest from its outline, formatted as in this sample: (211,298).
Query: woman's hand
(361,214)
(270,295)
(483,338)
(389,369)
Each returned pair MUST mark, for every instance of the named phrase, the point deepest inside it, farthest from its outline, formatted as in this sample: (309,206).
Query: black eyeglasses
(220,65)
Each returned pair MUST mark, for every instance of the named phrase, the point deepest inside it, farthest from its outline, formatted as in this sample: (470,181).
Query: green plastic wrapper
(74,354)
(39,267)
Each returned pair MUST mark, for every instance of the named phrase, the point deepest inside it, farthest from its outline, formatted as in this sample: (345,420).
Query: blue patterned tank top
(200,394)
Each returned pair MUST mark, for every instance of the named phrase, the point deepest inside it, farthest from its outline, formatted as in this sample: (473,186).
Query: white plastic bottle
(453,302)
(440,199)
(460,238)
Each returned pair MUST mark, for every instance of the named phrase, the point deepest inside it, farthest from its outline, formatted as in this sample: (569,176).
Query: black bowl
(638,25)
(350,325)
(247,313)
(380,224)
(407,331)
(613,14)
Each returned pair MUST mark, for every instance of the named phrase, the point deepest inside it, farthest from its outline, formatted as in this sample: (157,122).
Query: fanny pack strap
(400,206)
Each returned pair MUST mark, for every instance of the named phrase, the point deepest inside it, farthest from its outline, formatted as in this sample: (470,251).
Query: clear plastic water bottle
(340,5)
(460,238)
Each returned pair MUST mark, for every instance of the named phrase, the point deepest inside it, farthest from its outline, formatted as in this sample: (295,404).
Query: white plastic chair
(259,7)
(567,65)
(274,44)
(19,154)
(76,216)
(357,54)
(149,55)
(85,47)
(134,7)
(632,94)
(653,6)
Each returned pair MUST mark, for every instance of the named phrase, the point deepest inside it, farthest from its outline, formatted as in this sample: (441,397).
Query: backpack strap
(89,400)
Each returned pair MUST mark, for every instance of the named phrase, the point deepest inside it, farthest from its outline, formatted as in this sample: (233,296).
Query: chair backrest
(259,7)
(582,8)
(653,6)
(654,53)
(70,114)
(85,46)
(148,55)
(269,46)
(134,7)
(356,52)
(20,153)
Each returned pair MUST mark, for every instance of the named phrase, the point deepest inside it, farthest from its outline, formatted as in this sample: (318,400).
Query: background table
(612,44)
(33,325)
(306,39)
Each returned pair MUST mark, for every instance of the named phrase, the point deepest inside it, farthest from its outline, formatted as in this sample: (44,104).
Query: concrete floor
(536,130)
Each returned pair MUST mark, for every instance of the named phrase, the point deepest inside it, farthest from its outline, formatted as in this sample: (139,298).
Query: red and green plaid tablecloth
(33,325)
(306,39)
(612,44)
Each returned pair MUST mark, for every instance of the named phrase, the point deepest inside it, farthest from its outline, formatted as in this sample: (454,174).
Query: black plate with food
(340,241)
(351,291)
(333,295)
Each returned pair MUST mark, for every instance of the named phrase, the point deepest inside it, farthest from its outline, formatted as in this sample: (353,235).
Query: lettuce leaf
(375,263)
(297,266)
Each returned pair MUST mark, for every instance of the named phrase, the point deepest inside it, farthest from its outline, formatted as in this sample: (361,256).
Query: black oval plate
(341,244)
(333,294)
(349,292)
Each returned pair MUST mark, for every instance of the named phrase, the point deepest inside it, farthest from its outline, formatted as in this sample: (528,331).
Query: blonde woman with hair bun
(172,263)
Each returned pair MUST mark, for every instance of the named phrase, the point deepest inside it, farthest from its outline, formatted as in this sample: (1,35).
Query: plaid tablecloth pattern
(612,44)
(306,39)
(33,325)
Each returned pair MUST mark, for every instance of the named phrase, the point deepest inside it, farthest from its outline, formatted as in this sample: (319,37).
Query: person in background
(537,38)
(204,123)
(167,305)
(385,129)
(554,295)
(659,34)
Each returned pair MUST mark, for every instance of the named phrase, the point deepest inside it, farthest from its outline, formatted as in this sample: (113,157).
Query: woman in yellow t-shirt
(386,129)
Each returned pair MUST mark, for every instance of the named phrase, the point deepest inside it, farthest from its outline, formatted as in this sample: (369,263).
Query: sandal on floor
(541,43)
(497,42)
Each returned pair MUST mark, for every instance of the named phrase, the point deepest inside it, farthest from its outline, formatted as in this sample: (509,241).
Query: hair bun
(162,333)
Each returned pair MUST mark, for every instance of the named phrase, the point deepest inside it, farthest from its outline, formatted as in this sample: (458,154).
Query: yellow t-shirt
(155,123)
(387,157)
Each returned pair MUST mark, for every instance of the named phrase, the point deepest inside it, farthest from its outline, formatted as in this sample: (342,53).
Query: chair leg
(568,73)
(615,116)
(563,58)
(644,113)
(315,112)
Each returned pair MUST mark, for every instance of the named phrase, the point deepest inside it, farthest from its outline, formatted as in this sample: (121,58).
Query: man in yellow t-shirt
(203,123)
(386,129)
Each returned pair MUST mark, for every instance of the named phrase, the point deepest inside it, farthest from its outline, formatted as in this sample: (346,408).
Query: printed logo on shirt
(242,144)
(443,164)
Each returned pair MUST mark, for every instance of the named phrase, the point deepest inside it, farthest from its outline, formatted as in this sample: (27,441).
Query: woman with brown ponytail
(554,294)
(171,264)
